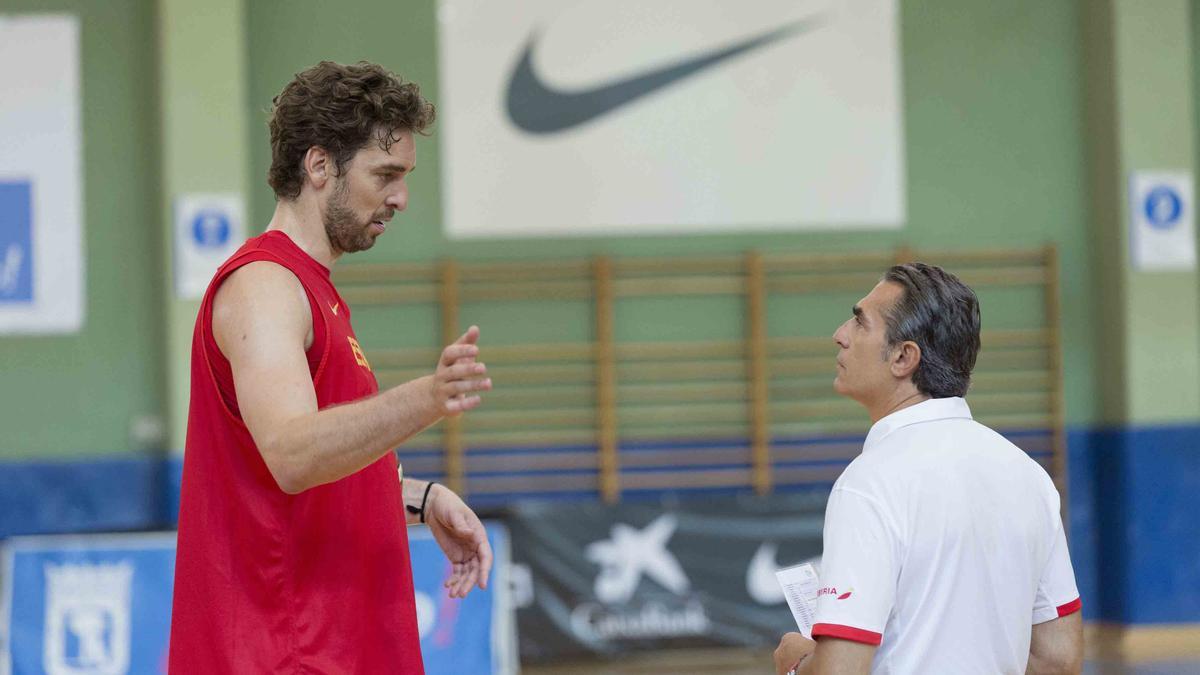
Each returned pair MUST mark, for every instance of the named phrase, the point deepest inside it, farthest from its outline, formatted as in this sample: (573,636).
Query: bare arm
(261,320)
(1056,647)
(827,656)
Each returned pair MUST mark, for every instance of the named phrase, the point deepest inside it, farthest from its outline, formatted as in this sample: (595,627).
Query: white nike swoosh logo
(761,583)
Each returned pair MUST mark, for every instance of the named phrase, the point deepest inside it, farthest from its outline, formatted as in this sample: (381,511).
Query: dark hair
(941,314)
(339,108)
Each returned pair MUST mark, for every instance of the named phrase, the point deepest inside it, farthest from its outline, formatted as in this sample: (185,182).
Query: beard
(346,233)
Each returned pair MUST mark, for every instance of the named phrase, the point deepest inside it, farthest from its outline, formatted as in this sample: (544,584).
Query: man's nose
(839,336)
(398,200)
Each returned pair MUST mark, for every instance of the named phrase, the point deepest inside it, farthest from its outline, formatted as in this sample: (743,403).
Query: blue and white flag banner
(41,185)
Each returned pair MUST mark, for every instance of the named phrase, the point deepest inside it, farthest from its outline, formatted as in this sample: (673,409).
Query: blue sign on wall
(472,635)
(1163,206)
(16,242)
(98,604)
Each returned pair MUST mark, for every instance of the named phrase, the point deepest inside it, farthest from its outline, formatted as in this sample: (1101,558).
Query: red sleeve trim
(847,633)
(1070,608)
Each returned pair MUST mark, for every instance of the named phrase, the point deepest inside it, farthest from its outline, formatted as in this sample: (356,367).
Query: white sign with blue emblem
(41,184)
(1162,221)
(208,229)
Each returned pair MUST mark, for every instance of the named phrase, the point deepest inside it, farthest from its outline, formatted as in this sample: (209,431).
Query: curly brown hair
(339,108)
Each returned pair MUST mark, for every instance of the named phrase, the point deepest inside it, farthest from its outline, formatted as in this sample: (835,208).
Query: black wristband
(424,498)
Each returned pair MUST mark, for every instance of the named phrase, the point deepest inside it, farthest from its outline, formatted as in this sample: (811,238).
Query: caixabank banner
(101,605)
(593,579)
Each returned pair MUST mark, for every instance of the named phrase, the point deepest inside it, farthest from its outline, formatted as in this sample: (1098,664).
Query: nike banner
(597,580)
(620,117)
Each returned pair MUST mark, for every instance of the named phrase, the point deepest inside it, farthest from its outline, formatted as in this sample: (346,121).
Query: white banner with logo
(623,117)
(41,185)
(208,229)
(1162,220)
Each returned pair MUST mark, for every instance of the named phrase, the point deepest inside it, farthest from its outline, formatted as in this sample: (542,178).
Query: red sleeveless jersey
(267,582)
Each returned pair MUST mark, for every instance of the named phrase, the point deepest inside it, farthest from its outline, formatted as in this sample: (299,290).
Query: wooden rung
(679,286)
(526,291)
(684,457)
(1003,277)
(578,269)
(698,412)
(1026,380)
(832,282)
(546,351)
(801,345)
(793,262)
(809,365)
(482,419)
(389,295)
(549,396)
(711,265)
(681,371)
(825,408)
(532,461)
(375,273)
(949,258)
(637,351)
(682,391)
(579,373)
(790,428)
(404,358)
(708,478)
(531,484)
(390,377)
(817,452)
(658,432)
(477,440)
(1020,337)
(1024,359)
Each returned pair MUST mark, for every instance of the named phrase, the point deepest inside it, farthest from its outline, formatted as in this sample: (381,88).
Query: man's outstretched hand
(460,534)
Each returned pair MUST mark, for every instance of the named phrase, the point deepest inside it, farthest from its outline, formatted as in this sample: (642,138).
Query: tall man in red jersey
(293,554)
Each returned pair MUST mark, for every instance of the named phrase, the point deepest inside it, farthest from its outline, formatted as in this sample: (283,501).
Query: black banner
(592,579)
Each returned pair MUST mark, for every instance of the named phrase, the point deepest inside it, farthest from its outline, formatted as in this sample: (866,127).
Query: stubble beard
(345,233)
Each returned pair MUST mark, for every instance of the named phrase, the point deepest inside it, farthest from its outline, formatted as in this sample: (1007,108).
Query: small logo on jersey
(830,590)
(359,357)
(334,307)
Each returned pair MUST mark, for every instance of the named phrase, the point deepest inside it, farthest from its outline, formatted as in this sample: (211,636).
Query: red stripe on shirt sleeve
(847,633)
(1071,607)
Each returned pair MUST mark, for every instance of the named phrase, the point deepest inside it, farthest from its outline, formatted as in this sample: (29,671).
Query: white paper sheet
(800,585)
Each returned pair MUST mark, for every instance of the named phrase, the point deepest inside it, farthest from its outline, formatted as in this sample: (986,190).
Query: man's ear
(905,360)
(318,166)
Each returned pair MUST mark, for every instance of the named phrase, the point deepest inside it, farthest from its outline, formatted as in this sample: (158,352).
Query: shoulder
(260,295)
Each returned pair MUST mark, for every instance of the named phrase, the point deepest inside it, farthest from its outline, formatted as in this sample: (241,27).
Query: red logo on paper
(830,590)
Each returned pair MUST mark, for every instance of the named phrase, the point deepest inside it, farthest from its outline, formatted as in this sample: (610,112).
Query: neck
(301,221)
(903,397)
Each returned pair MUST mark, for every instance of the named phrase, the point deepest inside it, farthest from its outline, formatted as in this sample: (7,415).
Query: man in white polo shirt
(944,551)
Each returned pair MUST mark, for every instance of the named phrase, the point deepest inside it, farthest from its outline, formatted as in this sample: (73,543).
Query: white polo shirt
(943,545)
